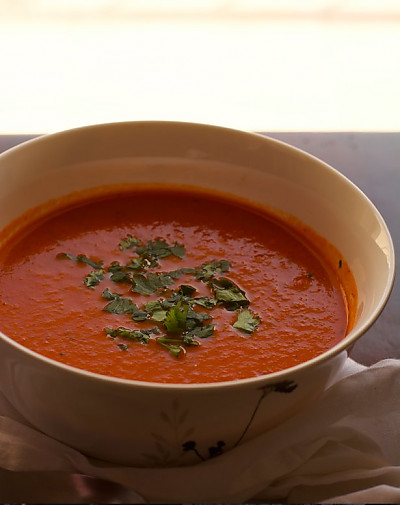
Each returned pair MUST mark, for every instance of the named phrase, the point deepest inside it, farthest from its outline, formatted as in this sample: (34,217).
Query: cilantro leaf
(122,305)
(196,319)
(140,264)
(156,310)
(175,298)
(139,315)
(247,321)
(143,336)
(128,242)
(175,320)
(118,273)
(94,278)
(205,301)
(178,250)
(147,285)
(229,294)
(201,331)
(189,339)
(175,274)
(158,249)
(81,258)
(108,295)
(184,294)
(186,290)
(208,270)
(174,346)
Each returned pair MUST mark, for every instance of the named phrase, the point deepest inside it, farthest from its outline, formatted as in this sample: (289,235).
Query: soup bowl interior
(161,424)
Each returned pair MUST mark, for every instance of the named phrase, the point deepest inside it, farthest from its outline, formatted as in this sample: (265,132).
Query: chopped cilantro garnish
(175,274)
(186,290)
(128,242)
(156,310)
(247,321)
(195,319)
(229,294)
(139,315)
(158,249)
(174,346)
(139,264)
(150,283)
(94,278)
(122,305)
(178,250)
(108,295)
(118,272)
(201,331)
(175,320)
(173,314)
(81,258)
(208,270)
(205,301)
(142,336)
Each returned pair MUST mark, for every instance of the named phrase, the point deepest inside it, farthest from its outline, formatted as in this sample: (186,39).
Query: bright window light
(291,65)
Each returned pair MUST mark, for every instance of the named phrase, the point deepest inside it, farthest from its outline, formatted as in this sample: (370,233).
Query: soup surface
(170,286)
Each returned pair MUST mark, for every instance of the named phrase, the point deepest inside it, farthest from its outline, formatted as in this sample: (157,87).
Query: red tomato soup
(172,286)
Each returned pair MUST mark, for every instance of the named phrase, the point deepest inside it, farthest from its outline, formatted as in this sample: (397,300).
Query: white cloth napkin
(345,448)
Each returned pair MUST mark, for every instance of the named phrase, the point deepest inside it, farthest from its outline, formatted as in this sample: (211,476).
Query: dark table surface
(372,161)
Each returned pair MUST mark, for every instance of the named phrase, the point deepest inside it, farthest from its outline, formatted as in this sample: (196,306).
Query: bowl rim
(273,377)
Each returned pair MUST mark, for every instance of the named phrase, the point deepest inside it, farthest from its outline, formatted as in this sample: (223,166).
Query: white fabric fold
(345,448)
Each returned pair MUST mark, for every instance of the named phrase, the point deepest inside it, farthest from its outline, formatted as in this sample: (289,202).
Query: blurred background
(265,65)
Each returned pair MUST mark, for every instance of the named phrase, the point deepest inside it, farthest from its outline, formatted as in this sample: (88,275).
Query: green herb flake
(207,270)
(195,319)
(175,320)
(174,346)
(128,242)
(108,295)
(186,290)
(139,315)
(178,250)
(152,282)
(94,278)
(229,294)
(205,302)
(81,258)
(159,248)
(189,339)
(175,274)
(247,321)
(122,305)
(140,264)
(156,310)
(142,336)
(118,273)
(205,331)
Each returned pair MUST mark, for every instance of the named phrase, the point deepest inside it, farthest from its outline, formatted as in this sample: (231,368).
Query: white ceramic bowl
(149,424)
